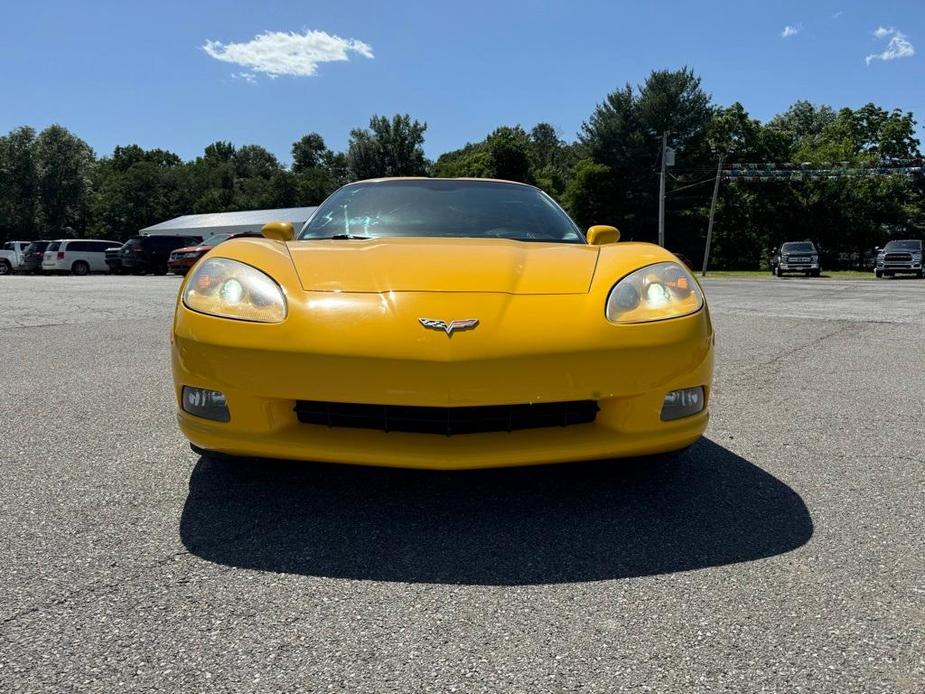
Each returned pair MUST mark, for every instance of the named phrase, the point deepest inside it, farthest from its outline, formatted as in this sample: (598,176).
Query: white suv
(77,256)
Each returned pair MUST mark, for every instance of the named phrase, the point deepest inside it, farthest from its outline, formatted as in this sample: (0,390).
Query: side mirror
(278,231)
(600,234)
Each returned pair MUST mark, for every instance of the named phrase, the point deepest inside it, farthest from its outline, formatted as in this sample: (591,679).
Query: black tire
(778,272)
(5,268)
(160,269)
(80,268)
(878,274)
(815,273)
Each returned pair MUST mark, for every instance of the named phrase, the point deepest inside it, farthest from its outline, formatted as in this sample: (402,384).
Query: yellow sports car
(441,323)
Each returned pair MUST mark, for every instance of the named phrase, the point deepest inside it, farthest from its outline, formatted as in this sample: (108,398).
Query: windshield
(903,246)
(441,208)
(215,239)
(802,247)
(53,246)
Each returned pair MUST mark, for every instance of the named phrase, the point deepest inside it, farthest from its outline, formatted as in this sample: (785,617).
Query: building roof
(250,220)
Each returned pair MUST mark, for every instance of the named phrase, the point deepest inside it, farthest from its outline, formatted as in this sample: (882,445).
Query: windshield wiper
(339,237)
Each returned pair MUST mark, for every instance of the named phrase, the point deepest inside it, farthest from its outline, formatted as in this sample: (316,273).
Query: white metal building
(206,224)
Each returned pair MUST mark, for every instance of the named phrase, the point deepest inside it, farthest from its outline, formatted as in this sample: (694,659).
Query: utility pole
(706,250)
(661,193)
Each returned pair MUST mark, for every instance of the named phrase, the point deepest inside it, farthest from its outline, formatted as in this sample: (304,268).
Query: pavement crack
(776,359)
(93,588)
(101,587)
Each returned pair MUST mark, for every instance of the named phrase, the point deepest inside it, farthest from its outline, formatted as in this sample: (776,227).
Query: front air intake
(447,421)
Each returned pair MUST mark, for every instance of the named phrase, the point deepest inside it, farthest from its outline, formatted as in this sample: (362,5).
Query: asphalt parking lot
(785,552)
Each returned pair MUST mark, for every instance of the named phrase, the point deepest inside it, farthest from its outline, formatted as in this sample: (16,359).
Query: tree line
(52,184)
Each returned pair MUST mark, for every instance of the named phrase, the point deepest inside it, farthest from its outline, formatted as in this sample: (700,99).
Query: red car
(182,259)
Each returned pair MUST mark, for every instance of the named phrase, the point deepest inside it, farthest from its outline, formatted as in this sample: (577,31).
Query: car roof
(71,240)
(463,179)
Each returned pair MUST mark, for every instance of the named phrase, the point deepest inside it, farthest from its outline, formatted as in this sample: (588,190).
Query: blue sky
(132,72)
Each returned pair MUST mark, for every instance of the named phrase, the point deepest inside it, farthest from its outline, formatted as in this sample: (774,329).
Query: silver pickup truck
(900,257)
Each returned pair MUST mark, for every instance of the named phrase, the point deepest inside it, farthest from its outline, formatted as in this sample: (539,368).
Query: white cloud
(838,14)
(248,77)
(276,53)
(791,31)
(898,47)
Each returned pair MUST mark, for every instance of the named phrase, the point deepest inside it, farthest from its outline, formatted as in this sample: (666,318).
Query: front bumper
(181,264)
(364,355)
(132,263)
(801,267)
(899,266)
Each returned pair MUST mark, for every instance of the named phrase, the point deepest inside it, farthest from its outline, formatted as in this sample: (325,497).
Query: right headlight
(230,289)
(656,292)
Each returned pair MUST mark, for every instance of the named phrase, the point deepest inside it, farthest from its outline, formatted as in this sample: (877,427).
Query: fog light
(208,404)
(682,403)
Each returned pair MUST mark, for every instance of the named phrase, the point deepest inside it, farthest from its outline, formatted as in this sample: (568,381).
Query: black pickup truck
(796,256)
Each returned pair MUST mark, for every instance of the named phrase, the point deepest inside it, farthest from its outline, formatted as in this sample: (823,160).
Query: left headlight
(229,289)
(656,292)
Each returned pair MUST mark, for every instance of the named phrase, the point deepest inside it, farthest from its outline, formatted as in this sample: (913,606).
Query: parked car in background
(796,256)
(114,260)
(77,256)
(900,257)
(32,256)
(11,256)
(143,254)
(182,259)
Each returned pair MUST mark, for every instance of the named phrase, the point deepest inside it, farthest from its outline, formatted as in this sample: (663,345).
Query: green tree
(317,171)
(135,188)
(509,155)
(589,193)
(623,133)
(18,184)
(387,148)
(308,153)
(64,166)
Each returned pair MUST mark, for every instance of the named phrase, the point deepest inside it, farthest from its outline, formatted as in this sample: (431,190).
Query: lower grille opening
(447,421)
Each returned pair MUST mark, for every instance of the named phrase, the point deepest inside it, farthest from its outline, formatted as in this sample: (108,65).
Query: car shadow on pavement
(519,526)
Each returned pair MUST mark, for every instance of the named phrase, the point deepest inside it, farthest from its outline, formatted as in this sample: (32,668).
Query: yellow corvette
(441,323)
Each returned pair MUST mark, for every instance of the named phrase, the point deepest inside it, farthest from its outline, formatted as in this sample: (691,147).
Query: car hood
(444,265)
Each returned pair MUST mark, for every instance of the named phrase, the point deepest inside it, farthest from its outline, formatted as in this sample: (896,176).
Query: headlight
(229,289)
(656,292)
(916,256)
(814,259)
